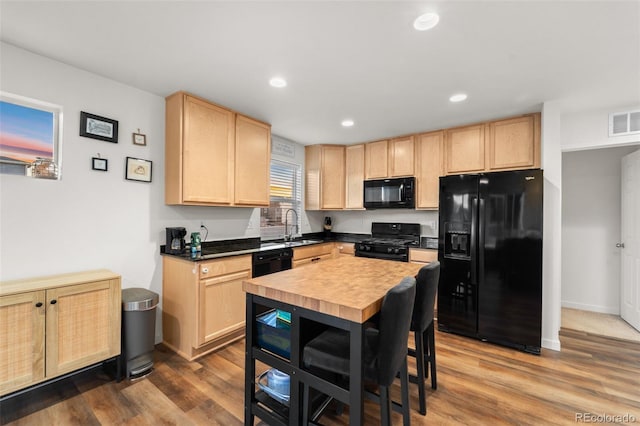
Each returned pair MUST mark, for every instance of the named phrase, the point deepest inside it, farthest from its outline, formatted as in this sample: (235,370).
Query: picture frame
(138,169)
(97,127)
(139,139)
(31,132)
(100,164)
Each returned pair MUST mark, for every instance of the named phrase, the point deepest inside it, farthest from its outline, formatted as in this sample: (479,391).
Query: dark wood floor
(478,383)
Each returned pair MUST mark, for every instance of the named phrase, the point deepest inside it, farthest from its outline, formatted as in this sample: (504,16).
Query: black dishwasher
(272,260)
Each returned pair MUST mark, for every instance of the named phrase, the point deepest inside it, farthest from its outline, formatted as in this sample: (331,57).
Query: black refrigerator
(490,253)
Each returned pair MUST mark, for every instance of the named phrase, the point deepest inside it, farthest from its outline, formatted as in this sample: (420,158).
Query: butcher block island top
(351,288)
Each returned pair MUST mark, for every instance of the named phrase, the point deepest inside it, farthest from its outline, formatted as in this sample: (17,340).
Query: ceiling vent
(624,123)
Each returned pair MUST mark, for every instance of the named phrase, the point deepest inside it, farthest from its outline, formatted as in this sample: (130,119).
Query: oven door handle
(389,256)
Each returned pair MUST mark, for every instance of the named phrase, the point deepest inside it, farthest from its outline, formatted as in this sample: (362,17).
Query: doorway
(591,226)
(630,240)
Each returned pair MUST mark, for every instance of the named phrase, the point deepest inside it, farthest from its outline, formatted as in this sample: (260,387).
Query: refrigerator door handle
(474,245)
(481,235)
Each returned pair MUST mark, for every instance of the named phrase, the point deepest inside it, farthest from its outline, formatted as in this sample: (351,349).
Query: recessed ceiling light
(426,21)
(459,97)
(347,123)
(278,82)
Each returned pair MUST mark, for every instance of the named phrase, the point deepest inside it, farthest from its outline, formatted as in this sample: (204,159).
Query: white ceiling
(349,59)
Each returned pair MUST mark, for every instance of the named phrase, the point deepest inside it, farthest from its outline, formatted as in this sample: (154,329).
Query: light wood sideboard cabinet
(514,143)
(203,303)
(464,149)
(50,326)
(429,167)
(214,156)
(354,170)
(252,162)
(312,254)
(401,156)
(324,177)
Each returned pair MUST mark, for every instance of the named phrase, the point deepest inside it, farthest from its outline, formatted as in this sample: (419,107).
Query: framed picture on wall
(30,135)
(138,169)
(139,139)
(96,127)
(100,164)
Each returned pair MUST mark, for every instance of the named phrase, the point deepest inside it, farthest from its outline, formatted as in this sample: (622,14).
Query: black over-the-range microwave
(390,193)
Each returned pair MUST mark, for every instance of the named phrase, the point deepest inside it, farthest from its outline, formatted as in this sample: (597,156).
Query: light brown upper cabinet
(389,158)
(401,156)
(253,148)
(214,156)
(354,188)
(324,177)
(376,159)
(509,144)
(464,149)
(429,168)
(514,143)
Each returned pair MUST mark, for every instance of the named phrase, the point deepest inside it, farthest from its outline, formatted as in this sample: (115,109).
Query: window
(285,194)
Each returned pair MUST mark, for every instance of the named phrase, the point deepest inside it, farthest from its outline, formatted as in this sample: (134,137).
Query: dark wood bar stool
(422,325)
(385,351)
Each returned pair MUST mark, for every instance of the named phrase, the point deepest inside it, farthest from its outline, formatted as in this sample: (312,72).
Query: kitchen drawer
(346,248)
(422,255)
(227,265)
(314,250)
(309,260)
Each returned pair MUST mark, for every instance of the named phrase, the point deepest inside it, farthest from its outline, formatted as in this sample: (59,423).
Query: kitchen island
(344,292)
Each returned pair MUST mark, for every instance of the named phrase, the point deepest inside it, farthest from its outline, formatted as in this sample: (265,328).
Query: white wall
(552,215)
(359,221)
(90,219)
(591,229)
(590,129)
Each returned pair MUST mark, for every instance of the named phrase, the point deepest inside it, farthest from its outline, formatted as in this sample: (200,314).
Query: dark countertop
(226,248)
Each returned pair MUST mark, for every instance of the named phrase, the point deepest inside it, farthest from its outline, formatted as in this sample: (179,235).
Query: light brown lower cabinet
(419,255)
(312,254)
(50,326)
(203,303)
(345,248)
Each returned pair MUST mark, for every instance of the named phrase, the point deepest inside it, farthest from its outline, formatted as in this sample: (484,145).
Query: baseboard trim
(612,310)
(552,344)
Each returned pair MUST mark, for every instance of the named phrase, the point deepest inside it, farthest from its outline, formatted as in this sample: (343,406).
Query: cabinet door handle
(54,301)
(620,245)
(205,270)
(39,305)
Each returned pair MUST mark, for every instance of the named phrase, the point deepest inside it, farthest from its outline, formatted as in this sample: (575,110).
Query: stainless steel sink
(301,243)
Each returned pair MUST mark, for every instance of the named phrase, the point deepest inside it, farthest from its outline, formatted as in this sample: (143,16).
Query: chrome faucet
(289,237)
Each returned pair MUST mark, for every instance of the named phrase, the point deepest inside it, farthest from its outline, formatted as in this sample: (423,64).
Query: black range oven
(390,241)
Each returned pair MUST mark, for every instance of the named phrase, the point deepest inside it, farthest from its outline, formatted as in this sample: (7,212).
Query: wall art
(96,127)
(101,164)
(138,169)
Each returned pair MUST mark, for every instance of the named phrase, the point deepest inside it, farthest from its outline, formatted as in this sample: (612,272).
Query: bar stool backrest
(395,321)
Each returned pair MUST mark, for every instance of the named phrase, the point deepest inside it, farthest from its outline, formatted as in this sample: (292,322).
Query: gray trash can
(138,331)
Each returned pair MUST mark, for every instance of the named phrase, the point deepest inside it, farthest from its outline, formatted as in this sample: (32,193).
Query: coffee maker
(175,240)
